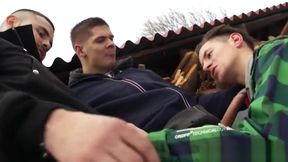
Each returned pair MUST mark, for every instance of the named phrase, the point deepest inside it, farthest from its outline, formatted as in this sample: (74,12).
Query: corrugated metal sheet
(193,30)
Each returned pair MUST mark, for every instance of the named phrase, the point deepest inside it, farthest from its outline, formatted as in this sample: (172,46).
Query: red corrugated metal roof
(183,32)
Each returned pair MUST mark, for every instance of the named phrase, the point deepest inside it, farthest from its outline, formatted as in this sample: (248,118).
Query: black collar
(22,36)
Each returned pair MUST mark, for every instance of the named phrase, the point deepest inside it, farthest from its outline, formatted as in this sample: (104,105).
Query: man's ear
(10,21)
(79,50)
(236,39)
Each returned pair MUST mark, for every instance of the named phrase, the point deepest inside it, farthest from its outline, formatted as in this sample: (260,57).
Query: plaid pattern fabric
(263,137)
(269,76)
(209,143)
(269,106)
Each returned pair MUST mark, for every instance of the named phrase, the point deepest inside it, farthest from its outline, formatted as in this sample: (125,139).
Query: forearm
(233,108)
(217,103)
(22,121)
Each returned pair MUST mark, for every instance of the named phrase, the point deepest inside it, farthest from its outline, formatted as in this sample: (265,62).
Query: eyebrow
(99,37)
(204,55)
(104,36)
(206,52)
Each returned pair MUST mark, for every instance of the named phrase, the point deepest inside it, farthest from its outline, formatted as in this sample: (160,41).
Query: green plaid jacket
(262,137)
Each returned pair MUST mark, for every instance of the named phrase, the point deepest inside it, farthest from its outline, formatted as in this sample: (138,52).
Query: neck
(89,70)
(243,63)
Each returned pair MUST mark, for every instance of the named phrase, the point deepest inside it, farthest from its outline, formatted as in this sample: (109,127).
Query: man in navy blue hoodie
(139,96)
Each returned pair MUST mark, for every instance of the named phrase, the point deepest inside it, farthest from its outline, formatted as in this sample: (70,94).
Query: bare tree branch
(174,20)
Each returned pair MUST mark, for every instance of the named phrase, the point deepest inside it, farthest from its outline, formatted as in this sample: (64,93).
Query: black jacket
(28,93)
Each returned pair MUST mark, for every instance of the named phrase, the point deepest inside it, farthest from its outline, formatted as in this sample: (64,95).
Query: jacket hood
(77,76)
(22,36)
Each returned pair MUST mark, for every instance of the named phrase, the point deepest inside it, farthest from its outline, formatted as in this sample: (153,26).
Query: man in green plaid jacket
(228,55)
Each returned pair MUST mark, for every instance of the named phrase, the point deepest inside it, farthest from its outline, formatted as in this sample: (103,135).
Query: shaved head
(42,28)
(21,15)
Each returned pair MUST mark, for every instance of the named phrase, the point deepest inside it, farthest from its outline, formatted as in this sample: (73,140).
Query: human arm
(233,108)
(218,102)
(22,119)
(67,133)
(25,103)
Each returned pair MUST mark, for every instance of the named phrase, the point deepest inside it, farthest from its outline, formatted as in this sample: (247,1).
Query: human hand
(232,110)
(80,137)
(141,131)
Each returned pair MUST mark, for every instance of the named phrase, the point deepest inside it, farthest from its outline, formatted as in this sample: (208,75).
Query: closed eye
(44,35)
(100,39)
(209,55)
(111,37)
(206,56)
(42,32)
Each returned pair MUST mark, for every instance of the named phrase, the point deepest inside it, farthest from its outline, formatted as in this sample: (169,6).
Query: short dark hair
(36,13)
(81,31)
(225,30)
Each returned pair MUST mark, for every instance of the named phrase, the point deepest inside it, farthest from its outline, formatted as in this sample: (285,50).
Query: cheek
(226,68)
(95,58)
(228,62)
(36,37)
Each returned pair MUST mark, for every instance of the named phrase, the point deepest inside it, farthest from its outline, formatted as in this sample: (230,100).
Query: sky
(125,17)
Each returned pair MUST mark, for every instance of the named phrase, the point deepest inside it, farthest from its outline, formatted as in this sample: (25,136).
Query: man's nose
(206,66)
(47,45)
(110,43)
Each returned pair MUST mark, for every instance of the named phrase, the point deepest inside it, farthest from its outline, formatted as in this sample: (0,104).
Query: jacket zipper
(141,89)
(130,82)
(186,103)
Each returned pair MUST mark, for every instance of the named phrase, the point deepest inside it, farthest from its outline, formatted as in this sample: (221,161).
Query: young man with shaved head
(42,28)
(38,114)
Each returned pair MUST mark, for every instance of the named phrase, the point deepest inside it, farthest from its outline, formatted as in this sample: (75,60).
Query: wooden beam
(285,29)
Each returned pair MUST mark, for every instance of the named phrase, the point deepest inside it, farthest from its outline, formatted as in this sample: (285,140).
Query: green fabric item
(210,143)
(269,75)
(262,137)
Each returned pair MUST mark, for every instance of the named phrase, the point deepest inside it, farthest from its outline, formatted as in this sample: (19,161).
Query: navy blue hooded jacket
(142,97)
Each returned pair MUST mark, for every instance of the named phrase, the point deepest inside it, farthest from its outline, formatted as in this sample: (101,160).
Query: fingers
(105,158)
(76,136)
(140,143)
(141,131)
(125,153)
